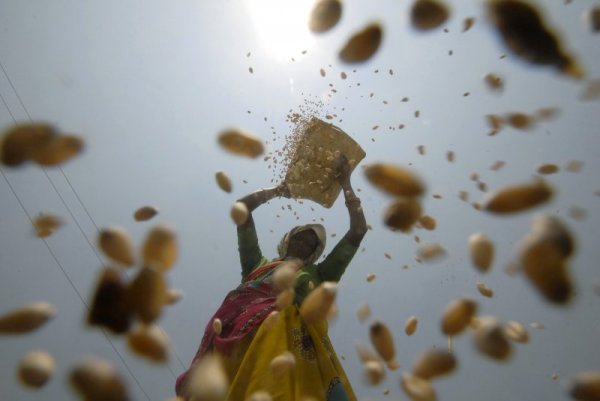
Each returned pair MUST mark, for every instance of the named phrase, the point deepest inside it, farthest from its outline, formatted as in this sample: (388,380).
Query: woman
(246,346)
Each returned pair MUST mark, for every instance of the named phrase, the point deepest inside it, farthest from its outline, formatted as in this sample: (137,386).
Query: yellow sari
(317,373)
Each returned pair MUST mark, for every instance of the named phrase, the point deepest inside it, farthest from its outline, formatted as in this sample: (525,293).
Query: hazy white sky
(149,85)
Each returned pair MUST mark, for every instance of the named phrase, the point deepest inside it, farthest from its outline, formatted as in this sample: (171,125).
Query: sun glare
(282,26)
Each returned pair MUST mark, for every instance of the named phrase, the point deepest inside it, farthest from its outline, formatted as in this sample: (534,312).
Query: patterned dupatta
(243,309)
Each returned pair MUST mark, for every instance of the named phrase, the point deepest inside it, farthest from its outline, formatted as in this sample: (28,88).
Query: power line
(64,272)
(82,204)
(73,285)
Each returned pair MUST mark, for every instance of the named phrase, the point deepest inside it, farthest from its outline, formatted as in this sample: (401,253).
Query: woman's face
(303,244)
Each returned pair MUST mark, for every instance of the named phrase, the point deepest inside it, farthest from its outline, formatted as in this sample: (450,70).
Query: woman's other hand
(343,170)
(283,190)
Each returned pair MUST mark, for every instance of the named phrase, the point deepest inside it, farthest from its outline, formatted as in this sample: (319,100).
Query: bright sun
(282,26)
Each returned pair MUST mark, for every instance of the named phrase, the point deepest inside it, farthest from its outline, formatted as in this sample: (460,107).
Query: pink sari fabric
(243,309)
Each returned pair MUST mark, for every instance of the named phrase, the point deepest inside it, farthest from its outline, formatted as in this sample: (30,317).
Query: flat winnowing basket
(311,172)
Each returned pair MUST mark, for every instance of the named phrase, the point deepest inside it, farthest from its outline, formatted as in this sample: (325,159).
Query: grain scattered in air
(223,181)
(402,214)
(27,318)
(365,353)
(536,44)
(37,142)
(373,372)
(494,121)
(18,143)
(485,290)
(490,339)
(208,379)
(574,166)
(383,341)
(547,113)
(284,276)
(428,222)
(285,298)
(417,113)
(319,301)
(116,244)
(145,213)
(160,247)
(536,325)
(411,325)
(468,23)
(498,164)
(457,315)
(416,388)
(282,363)
(434,363)
(58,150)
(421,149)
(387,256)
(481,249)
(591,91)
(239,213)
(363,312)
(259,395)
(550,228)
(149,341)
(173,295)
(592,19)
(217,326)
(146,294)
(577,213)
(450,156)
(46,224)
(96,379)
(585,386)
(546,270)
(394,180)
(325,15)
(431,252)
(548,168)
(516,332)
(518,198)
(241,143)
(494,82)
(520,121)
(322,72)
(343,75)
(428,14)
(362,45)
(271,319)
(251,70)
(110,307)
(36,368)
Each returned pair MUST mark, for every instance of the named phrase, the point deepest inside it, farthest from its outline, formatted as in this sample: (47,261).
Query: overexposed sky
(149,85)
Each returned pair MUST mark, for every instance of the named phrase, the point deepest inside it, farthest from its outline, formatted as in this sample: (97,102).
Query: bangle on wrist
(352,200)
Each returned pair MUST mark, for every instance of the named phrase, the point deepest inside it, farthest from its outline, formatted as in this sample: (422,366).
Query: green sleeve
(334,265)
(250,253)
(303,279)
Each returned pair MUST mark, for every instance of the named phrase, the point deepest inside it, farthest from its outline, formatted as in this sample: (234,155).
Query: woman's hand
(283,190)
(343,169)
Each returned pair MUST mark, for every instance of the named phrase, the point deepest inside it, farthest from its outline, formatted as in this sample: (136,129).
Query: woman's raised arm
(250,253)
(358,223)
